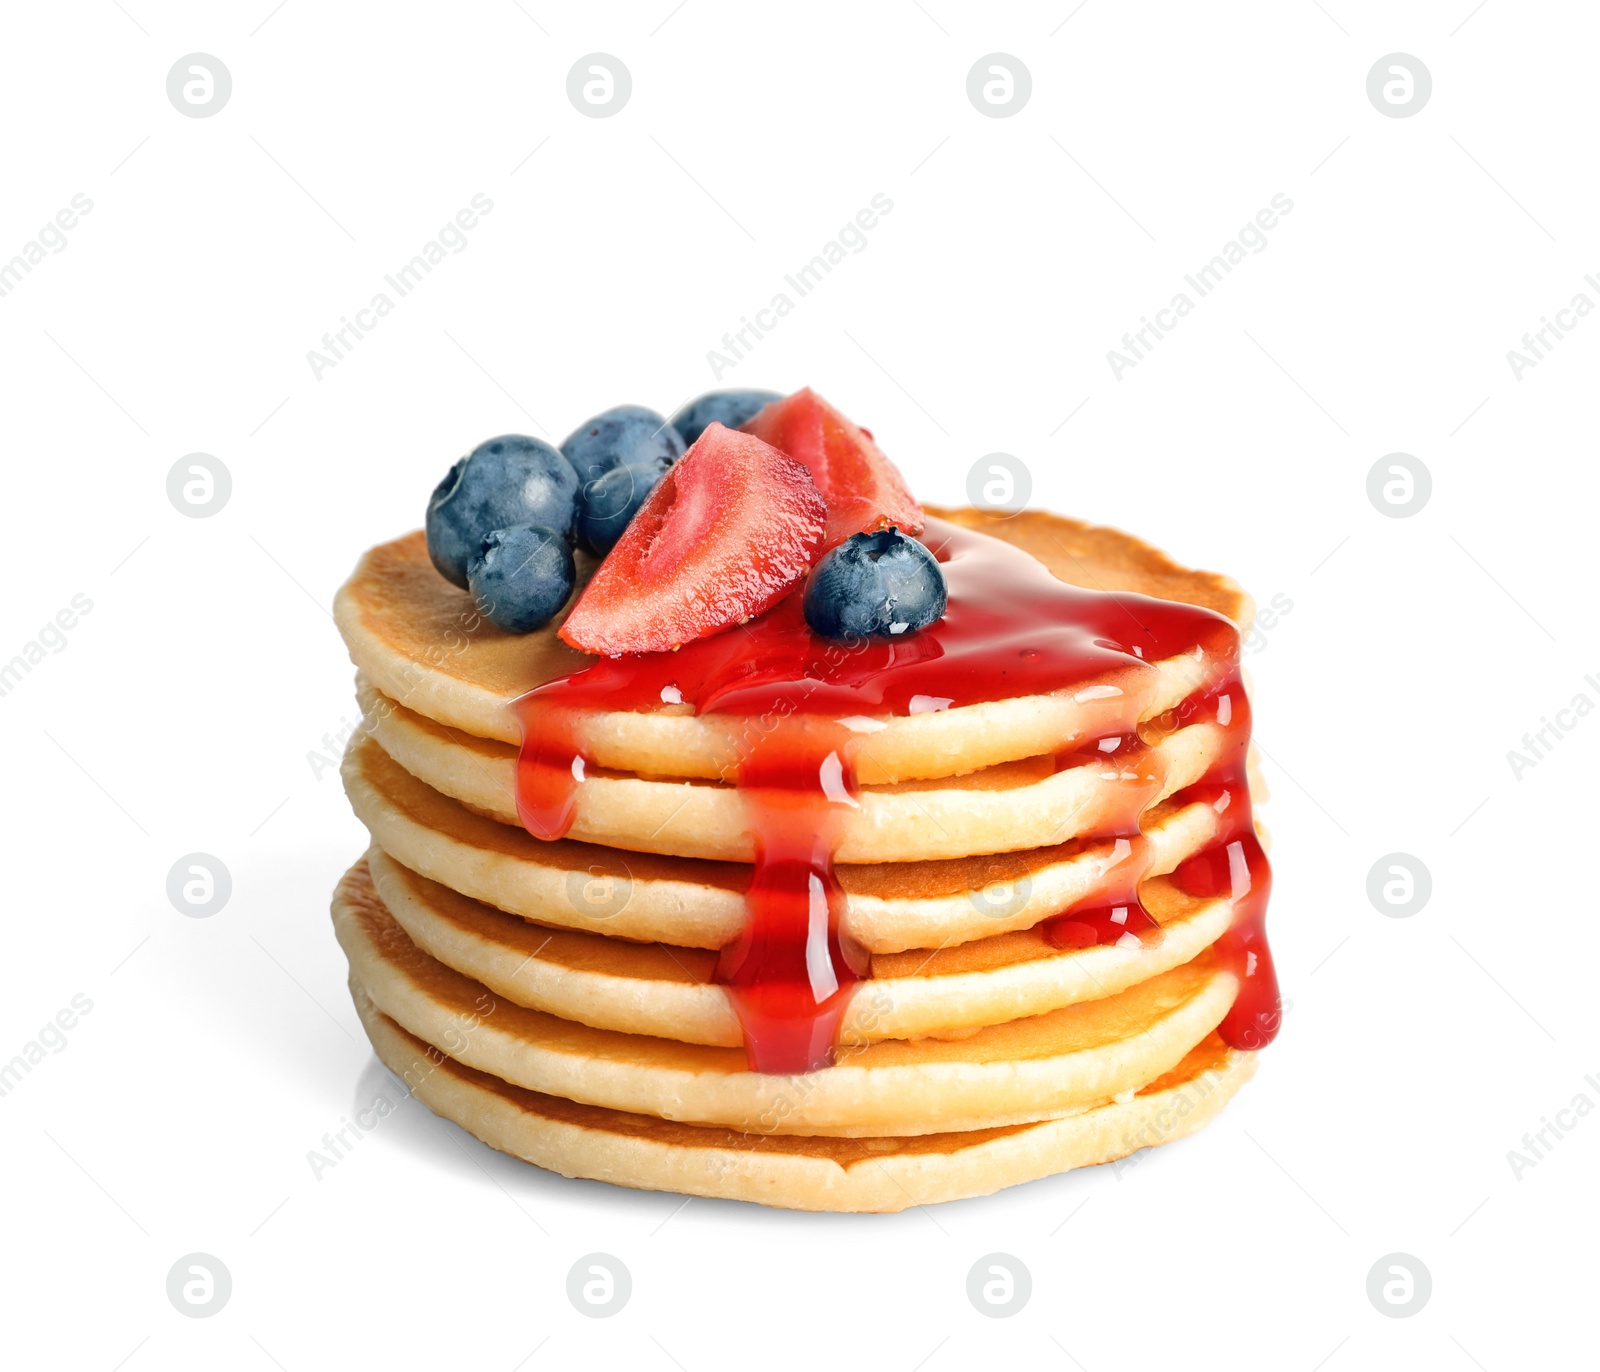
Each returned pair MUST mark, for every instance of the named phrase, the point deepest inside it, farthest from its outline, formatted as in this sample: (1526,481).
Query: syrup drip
(788,975)
(1234,865)
(1115,914)
(786,699)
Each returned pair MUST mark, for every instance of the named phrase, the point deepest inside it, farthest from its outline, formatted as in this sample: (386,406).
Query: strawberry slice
(727,532)
(863,491)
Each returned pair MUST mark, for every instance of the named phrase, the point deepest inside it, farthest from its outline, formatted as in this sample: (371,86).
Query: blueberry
(730,408)
(880,585)
(522,576)
(622,435)
(609,502)
(508,480)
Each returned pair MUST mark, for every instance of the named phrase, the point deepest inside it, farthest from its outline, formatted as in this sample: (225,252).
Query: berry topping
(508,480)
(609,503)
(521,577)
(727,532)
(862,489)
(878,585)
(731,408)
(620,436)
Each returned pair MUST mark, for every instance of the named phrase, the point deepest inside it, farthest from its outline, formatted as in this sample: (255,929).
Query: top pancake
(420,641)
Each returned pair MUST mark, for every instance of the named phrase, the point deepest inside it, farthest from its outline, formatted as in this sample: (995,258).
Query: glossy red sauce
(1233,865)
(793,706)
(1115,913)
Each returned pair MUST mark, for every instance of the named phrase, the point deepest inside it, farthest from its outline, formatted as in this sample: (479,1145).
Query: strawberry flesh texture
(732,528)
(863,490)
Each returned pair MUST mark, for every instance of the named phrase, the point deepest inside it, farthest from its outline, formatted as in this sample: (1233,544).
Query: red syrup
(1115,914)
(788,974)
(787,700)
(1234,865)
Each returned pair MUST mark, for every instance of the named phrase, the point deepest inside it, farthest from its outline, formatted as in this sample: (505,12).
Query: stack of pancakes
(557,998)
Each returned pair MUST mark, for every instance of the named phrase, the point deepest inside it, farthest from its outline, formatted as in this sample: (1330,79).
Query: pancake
(560,999)
(694,903)
(1046,1066)
(657,989)
(1025,803)
(420,642)
(880,1175)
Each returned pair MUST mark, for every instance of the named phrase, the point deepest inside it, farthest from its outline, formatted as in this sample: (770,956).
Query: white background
(181,713)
